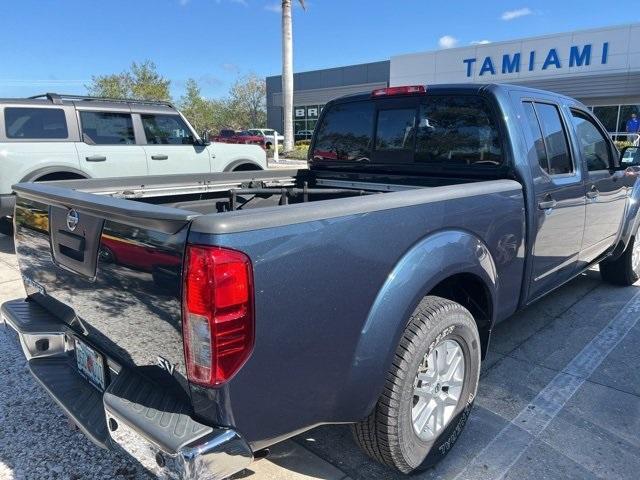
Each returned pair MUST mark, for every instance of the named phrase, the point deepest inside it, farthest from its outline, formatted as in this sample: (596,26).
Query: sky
(57,45)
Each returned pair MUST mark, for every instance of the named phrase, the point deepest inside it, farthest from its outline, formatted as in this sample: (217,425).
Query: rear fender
(429,262)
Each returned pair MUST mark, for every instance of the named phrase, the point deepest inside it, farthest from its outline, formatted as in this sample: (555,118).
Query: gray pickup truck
(194,321)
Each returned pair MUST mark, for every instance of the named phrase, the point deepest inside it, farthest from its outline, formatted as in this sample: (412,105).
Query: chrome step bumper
(132,414)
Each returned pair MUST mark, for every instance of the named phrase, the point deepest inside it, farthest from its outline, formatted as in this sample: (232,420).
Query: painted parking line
(498,456)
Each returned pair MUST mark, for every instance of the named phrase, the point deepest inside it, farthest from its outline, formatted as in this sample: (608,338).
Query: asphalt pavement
(559,398)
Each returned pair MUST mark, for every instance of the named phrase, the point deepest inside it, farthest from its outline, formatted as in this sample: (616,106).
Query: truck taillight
(390,91)
(218,315)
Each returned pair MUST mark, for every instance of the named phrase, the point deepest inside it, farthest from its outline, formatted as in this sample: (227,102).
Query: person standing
(633,126)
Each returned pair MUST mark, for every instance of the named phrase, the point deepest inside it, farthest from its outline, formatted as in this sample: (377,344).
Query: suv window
(107,128)
(593,144)
(345,132)
(457,130)
(166,130)
(35,123)
(396,129)
(555,140)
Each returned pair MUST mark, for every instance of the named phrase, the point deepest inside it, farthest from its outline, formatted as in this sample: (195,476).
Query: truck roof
(468,88)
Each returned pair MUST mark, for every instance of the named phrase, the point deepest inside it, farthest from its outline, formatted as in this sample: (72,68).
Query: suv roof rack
(57,98)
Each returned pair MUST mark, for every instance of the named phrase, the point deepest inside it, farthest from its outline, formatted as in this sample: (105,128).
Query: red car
(243,137)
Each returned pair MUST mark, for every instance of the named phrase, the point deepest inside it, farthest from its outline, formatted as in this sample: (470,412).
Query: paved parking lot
(559,398)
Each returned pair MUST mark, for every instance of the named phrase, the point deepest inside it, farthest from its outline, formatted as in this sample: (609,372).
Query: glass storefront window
(625,115)
(608,115)
(305,118)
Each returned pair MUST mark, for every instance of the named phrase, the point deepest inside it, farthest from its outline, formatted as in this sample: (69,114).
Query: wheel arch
(452,264)
(39,173)
(630,222)
(243,164)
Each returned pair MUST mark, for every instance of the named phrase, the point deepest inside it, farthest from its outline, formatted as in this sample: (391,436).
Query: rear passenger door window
(559,160)
(107,128)
(35,123)
(538,140)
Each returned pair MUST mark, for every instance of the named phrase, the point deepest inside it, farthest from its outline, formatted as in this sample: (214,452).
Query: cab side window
(594,146)
(538,141)
(555,139)
(552,148)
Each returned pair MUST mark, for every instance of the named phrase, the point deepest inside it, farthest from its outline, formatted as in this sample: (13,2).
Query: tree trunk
(287,74)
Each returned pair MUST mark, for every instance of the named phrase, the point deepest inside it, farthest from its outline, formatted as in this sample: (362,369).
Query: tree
(248,101)
(142,81)
(147,83)
(197,109)
(287,72)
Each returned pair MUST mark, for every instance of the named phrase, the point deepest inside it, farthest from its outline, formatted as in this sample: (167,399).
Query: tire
(388,434)
(622,270)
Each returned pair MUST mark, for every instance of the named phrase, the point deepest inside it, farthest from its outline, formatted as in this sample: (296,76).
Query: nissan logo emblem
(72,219)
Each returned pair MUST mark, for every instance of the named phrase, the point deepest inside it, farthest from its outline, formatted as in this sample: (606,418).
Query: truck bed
(322,248)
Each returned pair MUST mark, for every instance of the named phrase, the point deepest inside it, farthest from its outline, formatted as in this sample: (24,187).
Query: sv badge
(165,364)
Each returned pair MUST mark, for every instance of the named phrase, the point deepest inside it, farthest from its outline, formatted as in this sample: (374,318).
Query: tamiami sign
(579,56)
(609,50)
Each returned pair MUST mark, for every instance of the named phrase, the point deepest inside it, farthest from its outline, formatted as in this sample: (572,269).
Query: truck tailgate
(110,269)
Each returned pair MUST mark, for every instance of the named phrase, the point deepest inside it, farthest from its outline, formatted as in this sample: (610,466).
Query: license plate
(90,364)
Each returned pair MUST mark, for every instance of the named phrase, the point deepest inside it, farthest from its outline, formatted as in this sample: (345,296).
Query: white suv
(58,137)
(268,134)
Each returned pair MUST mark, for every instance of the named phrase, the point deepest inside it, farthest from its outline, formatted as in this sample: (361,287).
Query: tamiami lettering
(579,56)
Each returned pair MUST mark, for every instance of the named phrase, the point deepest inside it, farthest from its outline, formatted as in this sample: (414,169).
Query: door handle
(593,193)
(547,204)
(159,157)
(95,158)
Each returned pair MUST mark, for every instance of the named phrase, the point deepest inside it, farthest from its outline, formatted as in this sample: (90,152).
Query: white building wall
(618,74)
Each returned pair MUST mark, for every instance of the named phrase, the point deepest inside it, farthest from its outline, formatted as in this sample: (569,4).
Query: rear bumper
(132,414)
(7,204)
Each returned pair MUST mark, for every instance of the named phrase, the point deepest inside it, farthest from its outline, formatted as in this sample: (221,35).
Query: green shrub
(303,143)
(621,144)
(299,152)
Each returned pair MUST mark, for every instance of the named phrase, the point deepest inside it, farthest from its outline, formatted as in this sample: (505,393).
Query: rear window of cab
(435,129)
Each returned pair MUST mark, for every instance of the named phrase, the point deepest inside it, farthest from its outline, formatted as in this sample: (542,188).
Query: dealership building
(600,67)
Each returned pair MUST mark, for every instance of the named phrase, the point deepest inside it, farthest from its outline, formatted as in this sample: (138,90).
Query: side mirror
(629,157)
(205,138)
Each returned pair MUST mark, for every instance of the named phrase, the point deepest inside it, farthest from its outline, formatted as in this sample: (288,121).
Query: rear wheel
(429,389)
(624,270)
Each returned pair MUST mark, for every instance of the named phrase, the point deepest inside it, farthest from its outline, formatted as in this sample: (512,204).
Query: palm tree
(287,73)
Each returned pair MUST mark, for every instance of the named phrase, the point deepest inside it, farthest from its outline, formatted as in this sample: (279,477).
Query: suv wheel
(429,389)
